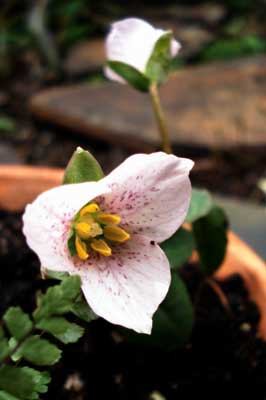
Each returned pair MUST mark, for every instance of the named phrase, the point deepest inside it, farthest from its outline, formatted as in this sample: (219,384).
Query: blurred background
(54,97)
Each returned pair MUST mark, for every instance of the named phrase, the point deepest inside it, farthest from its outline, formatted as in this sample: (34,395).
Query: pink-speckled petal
(151,193)
(131,41)
(47,220)
(127,288)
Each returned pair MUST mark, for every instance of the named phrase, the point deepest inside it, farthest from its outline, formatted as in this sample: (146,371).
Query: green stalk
(160,118)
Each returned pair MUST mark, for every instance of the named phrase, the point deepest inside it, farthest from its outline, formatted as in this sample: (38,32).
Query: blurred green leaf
(6,396)
(233,48)
(179,247)
(131,75)
(172,322)
(59,327)
(23,383)
(211,239)
(7,124)
(39,351)
(18,323)
(82,167)
(4,348)
(200,205)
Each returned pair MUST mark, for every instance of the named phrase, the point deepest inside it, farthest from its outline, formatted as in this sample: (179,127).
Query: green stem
(160,118)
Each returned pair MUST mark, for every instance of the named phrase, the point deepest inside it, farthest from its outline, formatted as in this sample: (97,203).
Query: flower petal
(131,41)
(47,222)
(151,193)
(127,288)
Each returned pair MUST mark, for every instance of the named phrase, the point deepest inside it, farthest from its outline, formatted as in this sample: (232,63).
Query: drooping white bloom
(132,41)
(115,225)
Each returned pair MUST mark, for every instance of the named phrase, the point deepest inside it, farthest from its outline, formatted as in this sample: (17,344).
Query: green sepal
(179,247)
(159,63)
(22,383)
(200,205)
(172,322)
(131,75)
(82,167)
(71,245)
(211,239)
(18,323)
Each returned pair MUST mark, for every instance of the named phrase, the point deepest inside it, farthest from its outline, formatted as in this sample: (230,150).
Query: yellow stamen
(108,219)
(101,247)
(116,234)
(90,208)
(81,249)
(83,229)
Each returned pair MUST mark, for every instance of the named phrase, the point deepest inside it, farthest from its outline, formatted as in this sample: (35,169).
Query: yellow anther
(90,208)
(83,229)
(116,234)
(101,247)
(81,249)
(109,219)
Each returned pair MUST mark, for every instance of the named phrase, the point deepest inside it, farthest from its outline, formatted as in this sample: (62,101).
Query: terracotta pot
(20,185)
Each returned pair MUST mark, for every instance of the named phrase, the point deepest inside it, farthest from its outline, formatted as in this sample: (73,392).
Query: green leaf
(134,77)
(12,343)
(6,396)
(158,66)
(82,167)
(4,348)
(62,329)
(211,239)
(172,322)
(39,351)
(18,323)
(200,205)
(23,383)
(229,49)
(7,124)
(179,247)
(82,310)
(49,274)
(58,299)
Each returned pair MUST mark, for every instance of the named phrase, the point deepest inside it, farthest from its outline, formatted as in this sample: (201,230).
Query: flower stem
(160,118)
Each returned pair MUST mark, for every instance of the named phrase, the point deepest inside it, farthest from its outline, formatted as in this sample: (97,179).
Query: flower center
(95,230)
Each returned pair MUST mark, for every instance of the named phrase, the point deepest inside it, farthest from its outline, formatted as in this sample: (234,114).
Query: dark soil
(223,351)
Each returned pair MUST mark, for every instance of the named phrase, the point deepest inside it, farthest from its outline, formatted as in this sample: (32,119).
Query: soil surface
(223,351)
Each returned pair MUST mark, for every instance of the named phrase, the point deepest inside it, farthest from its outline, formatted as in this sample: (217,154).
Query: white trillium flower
(115,225)
(131,41)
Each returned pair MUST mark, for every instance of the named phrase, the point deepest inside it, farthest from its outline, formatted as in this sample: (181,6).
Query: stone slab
(220,105)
